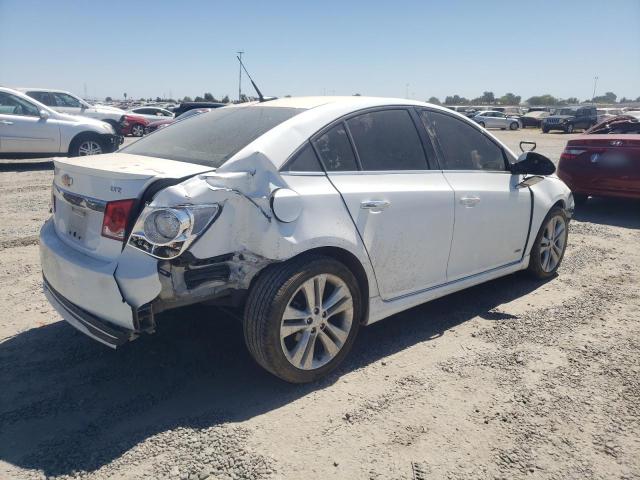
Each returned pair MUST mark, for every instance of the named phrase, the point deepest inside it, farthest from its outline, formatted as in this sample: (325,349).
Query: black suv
(569,118)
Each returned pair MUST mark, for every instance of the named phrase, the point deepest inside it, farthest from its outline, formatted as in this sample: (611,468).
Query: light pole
(240,76)
(595,82)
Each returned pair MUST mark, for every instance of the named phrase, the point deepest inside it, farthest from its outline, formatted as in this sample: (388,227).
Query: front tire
(550,244)
(302,317)
(86,145)
(514,126)
(481,124)
(568,128)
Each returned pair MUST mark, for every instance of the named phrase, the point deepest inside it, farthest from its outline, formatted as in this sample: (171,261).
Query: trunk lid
(83,186)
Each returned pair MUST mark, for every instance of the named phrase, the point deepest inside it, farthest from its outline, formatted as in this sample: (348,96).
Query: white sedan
(491,119)
(316,215)
(151,113)
(29,128)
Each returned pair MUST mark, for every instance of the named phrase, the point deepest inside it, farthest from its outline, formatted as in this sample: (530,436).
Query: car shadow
(618,212)
(69,404)
(26,166)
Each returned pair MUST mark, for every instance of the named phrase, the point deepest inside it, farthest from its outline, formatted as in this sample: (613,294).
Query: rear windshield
(211,138)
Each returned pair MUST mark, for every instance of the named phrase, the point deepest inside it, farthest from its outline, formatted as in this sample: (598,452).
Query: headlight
(166,232)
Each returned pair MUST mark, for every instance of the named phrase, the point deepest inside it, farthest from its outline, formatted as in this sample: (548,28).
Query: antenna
(260,97)
(240,52)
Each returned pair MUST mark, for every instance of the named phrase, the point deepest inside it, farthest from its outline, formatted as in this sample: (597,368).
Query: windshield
(214,137)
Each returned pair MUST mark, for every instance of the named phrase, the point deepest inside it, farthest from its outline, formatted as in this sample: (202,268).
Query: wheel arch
(352,262)
(81,136)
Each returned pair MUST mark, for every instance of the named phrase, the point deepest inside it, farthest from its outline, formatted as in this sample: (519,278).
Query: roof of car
(315,114)
(313,102)
(28,89)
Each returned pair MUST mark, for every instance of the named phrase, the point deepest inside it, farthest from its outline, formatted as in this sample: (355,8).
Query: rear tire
(281,320)
(550,244)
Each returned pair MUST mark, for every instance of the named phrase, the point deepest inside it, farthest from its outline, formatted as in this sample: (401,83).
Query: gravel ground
(512,379)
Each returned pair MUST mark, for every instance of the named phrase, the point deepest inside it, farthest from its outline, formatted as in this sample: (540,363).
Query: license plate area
(77,224)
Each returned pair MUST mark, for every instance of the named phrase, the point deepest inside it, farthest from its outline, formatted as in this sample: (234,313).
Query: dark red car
(604,161)
(133,125)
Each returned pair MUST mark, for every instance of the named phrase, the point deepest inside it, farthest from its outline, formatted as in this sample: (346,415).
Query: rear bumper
(85,281)
(87,323)
(593,185)
(85,292)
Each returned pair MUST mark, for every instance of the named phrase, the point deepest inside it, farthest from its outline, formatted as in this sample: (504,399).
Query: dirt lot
(512,379)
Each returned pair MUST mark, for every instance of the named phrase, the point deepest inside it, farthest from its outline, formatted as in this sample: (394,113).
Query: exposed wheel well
(559,203)
(352,263)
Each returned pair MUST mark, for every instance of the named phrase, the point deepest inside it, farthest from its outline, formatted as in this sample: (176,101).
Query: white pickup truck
(66,102)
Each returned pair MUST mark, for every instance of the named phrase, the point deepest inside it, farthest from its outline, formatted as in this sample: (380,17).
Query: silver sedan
(491,119)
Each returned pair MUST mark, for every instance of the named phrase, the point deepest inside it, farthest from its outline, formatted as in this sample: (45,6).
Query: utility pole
(595,82)
(240,76)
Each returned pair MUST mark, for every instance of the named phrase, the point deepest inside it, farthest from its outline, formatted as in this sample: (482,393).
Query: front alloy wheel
(550,244)
(89,147)
(302,316)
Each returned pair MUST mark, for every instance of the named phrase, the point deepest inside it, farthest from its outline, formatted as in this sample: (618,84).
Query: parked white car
(29,128)
(152,113)
(318,215)
(491,119)
(66,102)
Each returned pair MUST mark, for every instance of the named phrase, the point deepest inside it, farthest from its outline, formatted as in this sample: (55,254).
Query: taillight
(116,216)
(571,153)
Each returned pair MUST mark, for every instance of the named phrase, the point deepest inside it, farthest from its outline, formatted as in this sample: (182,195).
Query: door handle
(470,202)
(375,204)
(6,122)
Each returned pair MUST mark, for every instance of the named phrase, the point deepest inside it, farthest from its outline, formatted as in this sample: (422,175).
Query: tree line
(488,98)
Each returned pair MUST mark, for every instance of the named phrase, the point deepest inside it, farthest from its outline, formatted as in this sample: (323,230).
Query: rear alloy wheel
(550,244)
(137,130)
(87,147)
(513,126)
(301,318)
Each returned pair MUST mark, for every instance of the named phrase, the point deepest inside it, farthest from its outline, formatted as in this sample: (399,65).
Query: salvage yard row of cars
(310,214)
(39,122)
(565,119)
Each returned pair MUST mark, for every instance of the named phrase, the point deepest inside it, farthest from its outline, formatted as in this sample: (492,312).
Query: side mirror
(532,163)
(44,115)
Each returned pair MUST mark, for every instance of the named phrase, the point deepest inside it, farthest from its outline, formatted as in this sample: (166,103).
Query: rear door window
(304,161)
(387,140)
(335,150)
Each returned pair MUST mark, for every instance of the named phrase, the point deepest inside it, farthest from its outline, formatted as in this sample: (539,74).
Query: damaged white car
(317,215)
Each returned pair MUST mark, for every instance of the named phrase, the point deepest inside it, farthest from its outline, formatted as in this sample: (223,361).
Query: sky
(414,48)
